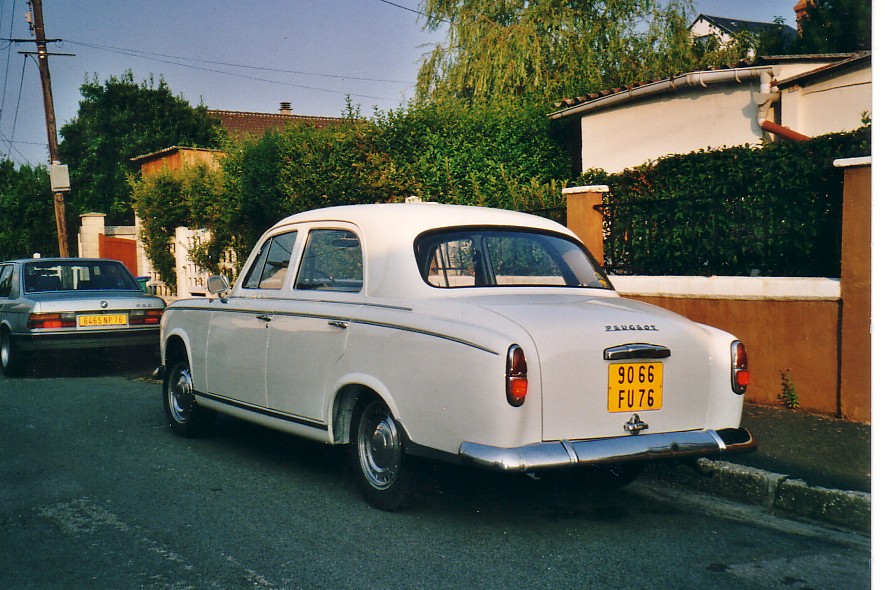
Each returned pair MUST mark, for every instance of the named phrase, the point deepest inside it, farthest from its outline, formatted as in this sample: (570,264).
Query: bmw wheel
(12,360)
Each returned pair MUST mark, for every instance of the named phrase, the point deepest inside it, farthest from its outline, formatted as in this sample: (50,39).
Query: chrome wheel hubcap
(379,446)
(181,397)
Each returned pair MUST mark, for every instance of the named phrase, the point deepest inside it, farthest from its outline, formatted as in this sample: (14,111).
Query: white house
(726,29)
(769,99)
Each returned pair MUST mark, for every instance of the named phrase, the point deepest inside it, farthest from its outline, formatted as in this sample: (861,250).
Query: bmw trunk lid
(605,359)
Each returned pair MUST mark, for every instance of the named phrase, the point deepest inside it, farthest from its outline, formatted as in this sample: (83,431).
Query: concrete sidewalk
(811,466)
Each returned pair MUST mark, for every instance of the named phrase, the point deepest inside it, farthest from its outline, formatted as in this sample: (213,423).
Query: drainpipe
(782,131)
(764,99)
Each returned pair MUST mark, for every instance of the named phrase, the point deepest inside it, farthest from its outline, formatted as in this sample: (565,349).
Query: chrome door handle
(339,324)
(264,317)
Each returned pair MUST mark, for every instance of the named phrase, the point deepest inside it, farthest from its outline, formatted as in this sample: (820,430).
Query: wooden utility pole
(51,130)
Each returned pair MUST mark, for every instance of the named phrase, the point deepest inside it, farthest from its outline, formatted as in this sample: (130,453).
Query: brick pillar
(585,216)
(855,383)
(91,226)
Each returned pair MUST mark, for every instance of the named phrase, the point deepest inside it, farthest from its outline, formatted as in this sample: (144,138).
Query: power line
(149,54)
(418,12)
(15,119)
(8,54)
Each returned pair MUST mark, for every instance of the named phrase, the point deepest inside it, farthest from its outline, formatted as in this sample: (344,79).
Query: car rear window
(505,257)
(101,275)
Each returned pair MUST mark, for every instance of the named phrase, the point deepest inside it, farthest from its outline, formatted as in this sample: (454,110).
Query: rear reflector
(517,382)
(740,374)
(150,317)
(51,321)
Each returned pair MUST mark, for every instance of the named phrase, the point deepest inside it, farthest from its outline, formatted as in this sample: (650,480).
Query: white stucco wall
(671,123)
(722,114)
(828,105)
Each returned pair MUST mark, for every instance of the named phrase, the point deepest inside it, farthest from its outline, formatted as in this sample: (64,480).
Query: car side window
(5,280)
(272,263)
(332,261)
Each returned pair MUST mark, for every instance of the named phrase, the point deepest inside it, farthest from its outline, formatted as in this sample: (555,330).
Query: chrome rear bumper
(622,449)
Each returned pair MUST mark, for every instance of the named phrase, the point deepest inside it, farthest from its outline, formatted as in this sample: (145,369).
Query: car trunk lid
(653,356)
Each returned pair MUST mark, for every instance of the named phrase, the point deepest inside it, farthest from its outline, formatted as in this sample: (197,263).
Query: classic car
(480,336)
(53,304)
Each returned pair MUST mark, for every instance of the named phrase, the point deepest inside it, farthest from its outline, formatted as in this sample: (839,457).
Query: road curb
(777,491)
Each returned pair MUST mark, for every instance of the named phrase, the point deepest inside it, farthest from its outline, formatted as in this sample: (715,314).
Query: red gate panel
(119,249)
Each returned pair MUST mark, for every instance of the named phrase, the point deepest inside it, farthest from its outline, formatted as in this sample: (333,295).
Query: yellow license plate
(116,319)
(635,386)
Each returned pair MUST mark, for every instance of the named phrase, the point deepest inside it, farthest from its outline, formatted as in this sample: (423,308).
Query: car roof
(415,218)
(391,228)
(59,259)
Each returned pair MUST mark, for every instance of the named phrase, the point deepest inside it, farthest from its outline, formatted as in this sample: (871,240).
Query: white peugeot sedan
(480,336)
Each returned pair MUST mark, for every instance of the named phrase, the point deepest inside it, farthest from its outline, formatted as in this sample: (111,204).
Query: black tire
(12,360)
(383,471)
(185,416)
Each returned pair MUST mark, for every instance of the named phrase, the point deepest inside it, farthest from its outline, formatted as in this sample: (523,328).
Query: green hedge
(492,156)
(773,210)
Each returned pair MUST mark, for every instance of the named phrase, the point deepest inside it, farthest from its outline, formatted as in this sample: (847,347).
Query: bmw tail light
(51,321)
(517,377)
(150,317)
(740,374)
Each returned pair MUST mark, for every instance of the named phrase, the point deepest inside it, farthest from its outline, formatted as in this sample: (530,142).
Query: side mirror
(218,284)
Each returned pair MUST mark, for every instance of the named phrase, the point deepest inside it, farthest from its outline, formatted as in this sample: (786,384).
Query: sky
(234,55)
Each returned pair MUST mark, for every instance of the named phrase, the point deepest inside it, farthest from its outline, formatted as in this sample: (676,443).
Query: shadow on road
(130,363)
(440,488)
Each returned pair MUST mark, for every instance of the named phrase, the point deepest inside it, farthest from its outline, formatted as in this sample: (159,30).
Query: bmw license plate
(635,386)
(92,321)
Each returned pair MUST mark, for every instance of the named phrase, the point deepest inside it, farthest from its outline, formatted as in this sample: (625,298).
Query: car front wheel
(383,469)
(185,416)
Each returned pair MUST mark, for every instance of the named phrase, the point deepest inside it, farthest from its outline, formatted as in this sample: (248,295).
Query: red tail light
(51,321)
(517,376)
(150,317)
(740,374)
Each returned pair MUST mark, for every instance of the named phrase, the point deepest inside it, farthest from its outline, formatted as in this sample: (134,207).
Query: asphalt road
(96,492)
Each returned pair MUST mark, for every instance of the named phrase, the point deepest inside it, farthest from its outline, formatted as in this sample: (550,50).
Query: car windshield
(78,275)
(505,257)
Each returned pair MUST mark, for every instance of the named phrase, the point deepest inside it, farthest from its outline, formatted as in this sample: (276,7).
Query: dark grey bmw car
(51,304)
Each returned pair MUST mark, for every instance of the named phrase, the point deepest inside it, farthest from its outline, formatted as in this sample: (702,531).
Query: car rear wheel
(12,360)
(383,469)
(185,416)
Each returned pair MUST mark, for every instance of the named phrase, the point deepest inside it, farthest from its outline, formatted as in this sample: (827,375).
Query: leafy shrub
(775,210)
(187,197)
(26,212)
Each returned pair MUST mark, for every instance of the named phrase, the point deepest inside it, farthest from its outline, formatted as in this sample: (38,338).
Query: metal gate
(119,249)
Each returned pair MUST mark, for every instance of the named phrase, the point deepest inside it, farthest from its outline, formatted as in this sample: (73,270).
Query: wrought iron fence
(793,235)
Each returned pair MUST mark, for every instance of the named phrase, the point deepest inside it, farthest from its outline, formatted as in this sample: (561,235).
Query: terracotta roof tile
(241,124)
(759,61)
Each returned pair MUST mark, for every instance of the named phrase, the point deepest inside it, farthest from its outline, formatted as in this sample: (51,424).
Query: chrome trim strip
(426,333)
(301,300)
(263,411)
(622,449)
(351,320)
(636,351)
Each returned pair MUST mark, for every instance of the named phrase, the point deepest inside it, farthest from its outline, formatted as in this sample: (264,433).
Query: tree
(116,121)
(26,212)
(551,49)
(189,197)
(836,26)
